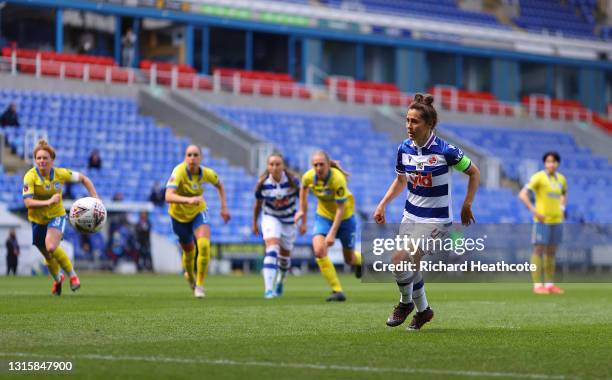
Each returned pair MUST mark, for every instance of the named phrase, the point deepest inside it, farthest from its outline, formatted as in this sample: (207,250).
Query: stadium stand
(582,168)
(445,10)
(135,153)
(343,138)
(557,17)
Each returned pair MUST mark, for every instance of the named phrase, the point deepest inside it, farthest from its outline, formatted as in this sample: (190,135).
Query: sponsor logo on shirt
(418,179)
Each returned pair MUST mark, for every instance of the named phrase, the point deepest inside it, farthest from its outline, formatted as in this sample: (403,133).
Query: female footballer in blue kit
(189,214)
(424,163)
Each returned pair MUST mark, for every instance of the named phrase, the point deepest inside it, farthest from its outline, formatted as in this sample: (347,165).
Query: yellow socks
(188,264)
(203,259)
(329,273)
(357,258)
(536,276)
(62,258)
(53,267)
(549,269)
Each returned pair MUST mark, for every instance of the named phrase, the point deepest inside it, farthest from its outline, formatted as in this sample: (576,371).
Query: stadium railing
(335,88)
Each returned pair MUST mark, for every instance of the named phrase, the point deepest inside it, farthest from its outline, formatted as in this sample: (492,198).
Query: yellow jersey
(42,188)
(188,185)
(330,192)
(548,191)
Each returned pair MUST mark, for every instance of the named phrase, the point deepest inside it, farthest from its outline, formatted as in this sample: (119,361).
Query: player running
(550,190)
(424,163)
(42,196)
(189,214)
(276,192)
(334,218)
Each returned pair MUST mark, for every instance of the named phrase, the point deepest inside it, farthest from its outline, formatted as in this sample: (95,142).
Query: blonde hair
(333,163)
(44,145)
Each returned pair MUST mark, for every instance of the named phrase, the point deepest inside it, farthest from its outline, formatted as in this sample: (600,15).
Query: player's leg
(556,231)
(424,313)
(202,234)
(347,234)
(539,237)
(184,232)
(404,281)
(328,271)
(288,235)
(270,266)
(271,230)
(55,233)
(39,233)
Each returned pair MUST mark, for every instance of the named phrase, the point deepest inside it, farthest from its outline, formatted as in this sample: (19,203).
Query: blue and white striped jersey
(280,200)
(428,170)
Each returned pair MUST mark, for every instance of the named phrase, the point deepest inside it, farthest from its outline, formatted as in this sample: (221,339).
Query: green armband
(463,164)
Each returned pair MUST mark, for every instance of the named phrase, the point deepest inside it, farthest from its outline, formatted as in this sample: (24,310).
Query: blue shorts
(346,232)
(185,231)
(547,234)
(39,231)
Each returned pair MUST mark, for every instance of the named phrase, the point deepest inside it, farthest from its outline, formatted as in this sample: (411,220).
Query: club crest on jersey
(195,186)
(406,159)
(432,160)
(47,186)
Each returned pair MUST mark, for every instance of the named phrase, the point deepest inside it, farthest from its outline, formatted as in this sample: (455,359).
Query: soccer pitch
(146,326)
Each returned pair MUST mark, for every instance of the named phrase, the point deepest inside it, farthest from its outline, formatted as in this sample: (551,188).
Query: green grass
(150,326)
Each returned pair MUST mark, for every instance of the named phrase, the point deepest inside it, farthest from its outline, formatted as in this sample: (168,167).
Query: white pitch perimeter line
(251,363)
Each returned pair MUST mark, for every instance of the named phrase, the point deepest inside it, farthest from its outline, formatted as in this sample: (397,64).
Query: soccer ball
(87,215)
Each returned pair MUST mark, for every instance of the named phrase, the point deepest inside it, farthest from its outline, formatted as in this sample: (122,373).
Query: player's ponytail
(333,163)
(44,145)
(336,164)
(261,180)
(291,176)
(424,104)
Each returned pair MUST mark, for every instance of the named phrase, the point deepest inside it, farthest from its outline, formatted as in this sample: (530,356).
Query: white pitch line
(251,363)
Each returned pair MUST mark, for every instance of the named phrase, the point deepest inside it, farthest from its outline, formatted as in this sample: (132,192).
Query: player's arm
(38,203)
(28,196)
(563,197)
(331,235)
(256,212)
(87,183)
(173,197)
(524,197)
(302,214)
(222,198)
(396,188)
(467,217)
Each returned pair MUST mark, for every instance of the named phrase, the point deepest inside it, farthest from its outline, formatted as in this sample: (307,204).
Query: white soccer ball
(87,215)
